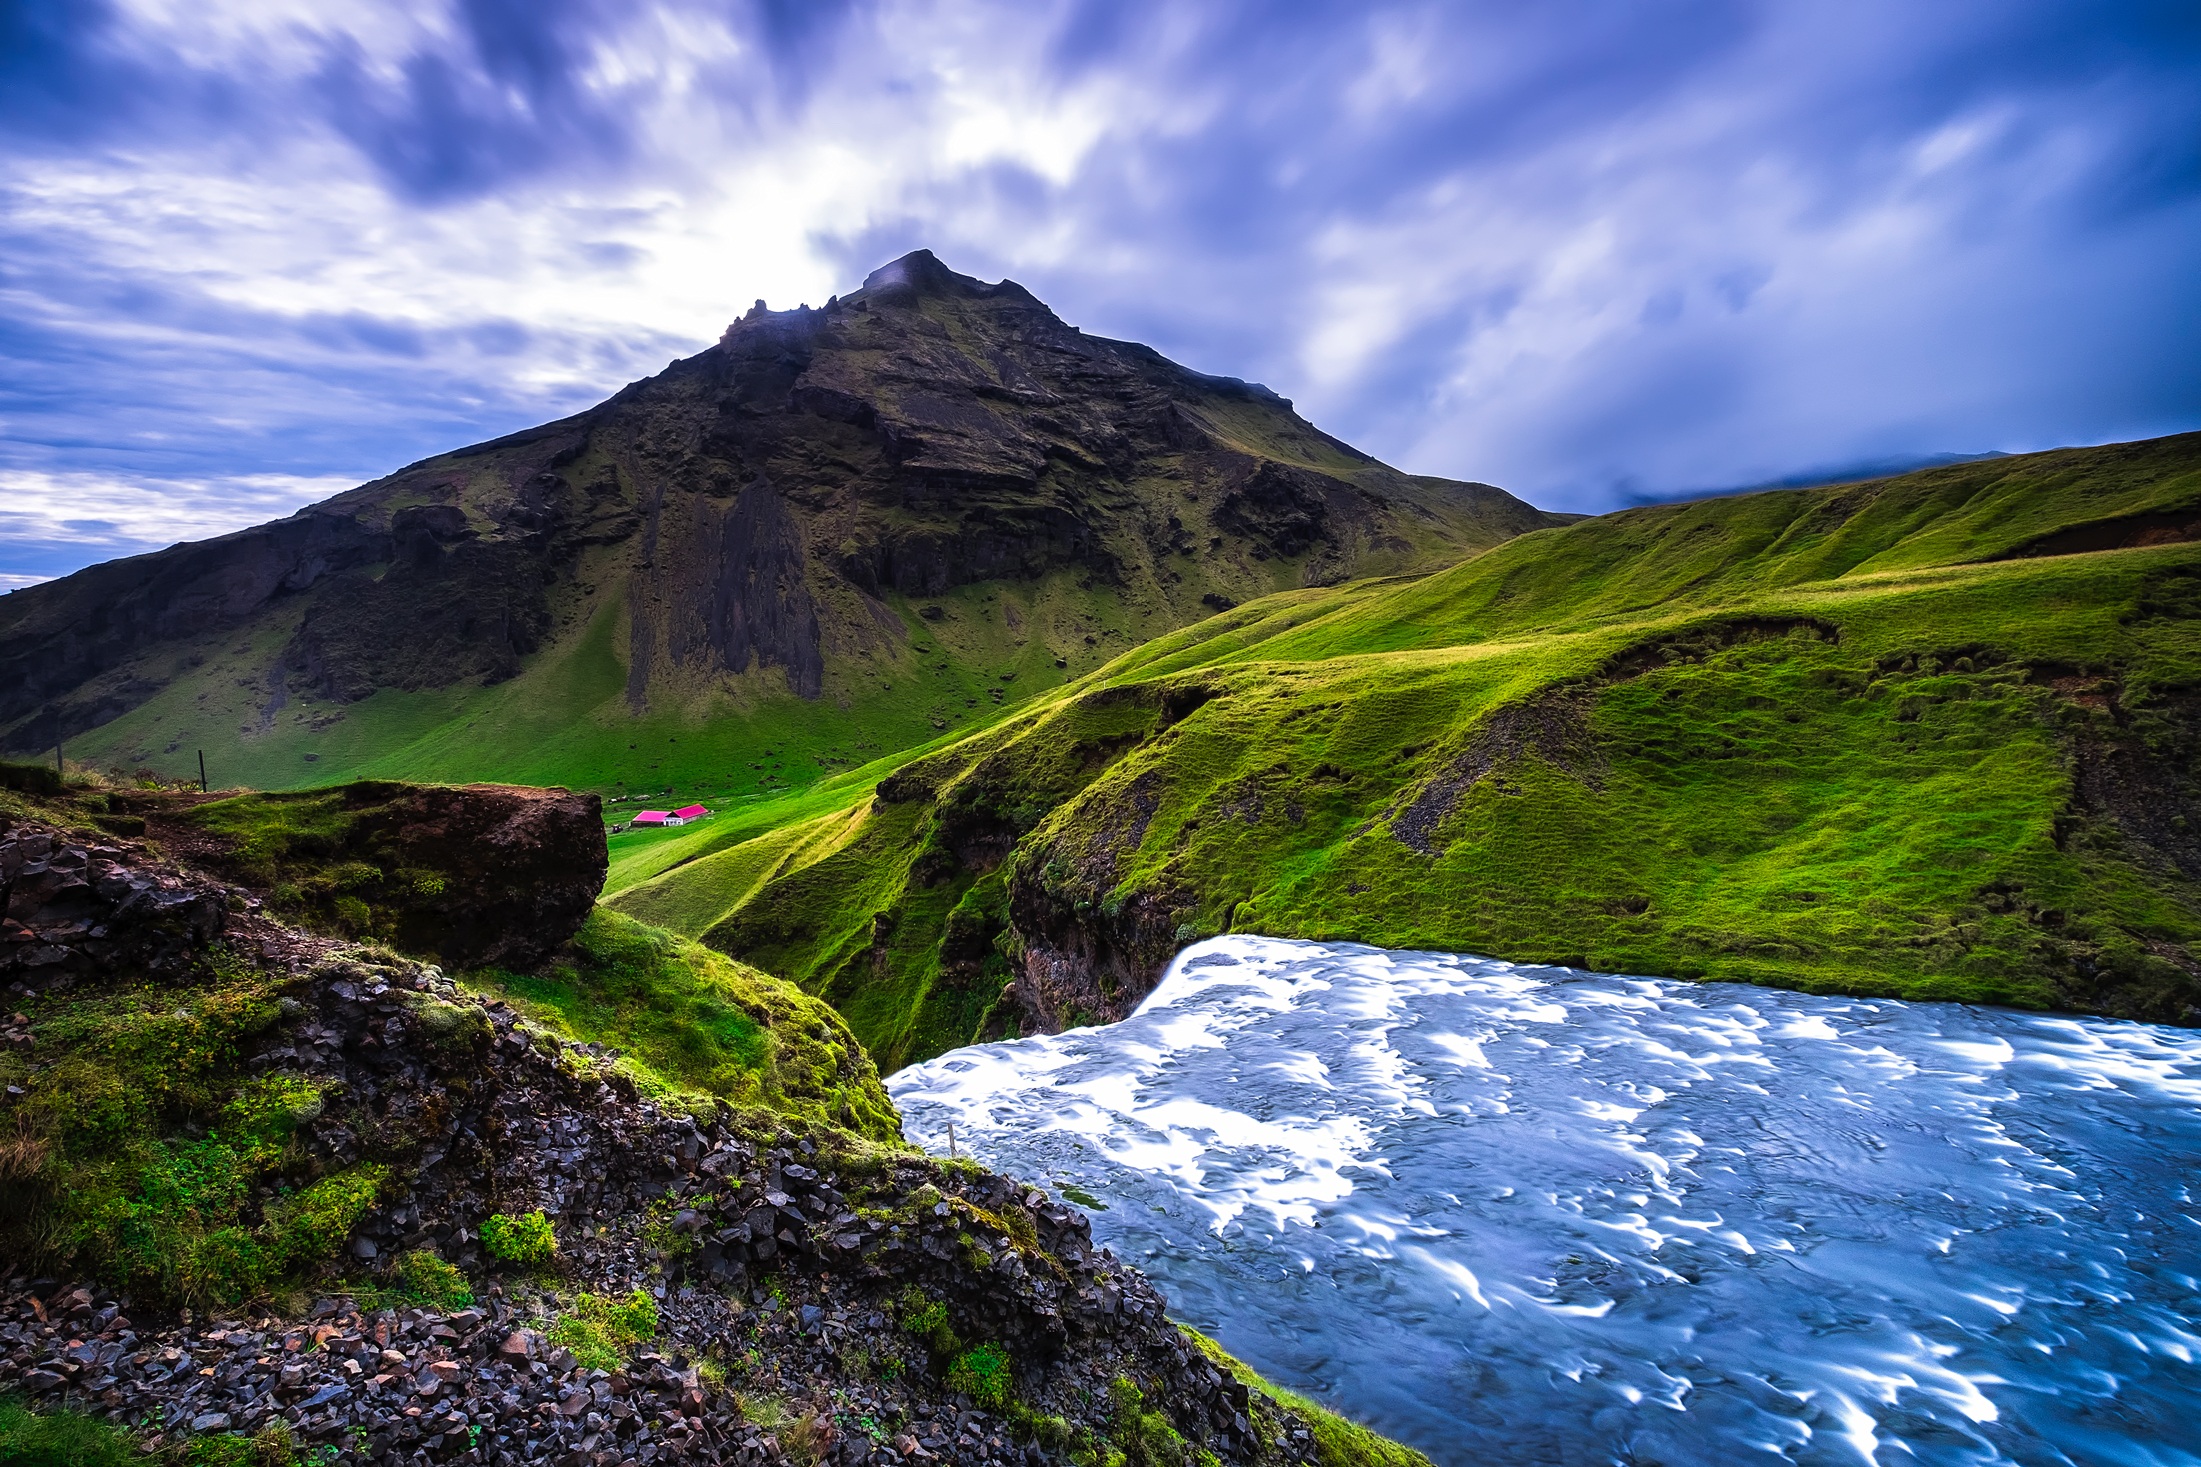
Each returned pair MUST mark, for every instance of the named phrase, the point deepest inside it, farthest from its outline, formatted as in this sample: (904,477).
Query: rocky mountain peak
(929,462)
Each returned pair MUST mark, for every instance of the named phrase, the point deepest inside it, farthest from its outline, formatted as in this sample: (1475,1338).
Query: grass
(422,1276)
(983,1373)
(566,719)
(1855,739)
(691,1020)
(882,908)
(602,1331)
(527,1240)
(59,1438)
(1338,1442)
(144,1155)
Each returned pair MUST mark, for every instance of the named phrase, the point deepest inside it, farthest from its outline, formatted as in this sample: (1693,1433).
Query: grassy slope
(892,680)
(691,1022)
(1338,1442)
(1851,767)
(565,719)
(136,1139)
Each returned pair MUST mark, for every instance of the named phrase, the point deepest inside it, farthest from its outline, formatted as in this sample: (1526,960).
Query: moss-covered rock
(690,1020)
(465,874)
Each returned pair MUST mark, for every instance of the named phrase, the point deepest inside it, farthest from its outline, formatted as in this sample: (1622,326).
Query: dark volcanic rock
(813,1291)
(749,514)
(74,908)
(520,868)
(472,874)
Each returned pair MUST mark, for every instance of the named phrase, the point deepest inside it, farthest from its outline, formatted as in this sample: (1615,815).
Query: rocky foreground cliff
(282,1189)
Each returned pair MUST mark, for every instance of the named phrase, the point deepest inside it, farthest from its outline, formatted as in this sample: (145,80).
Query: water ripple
(1574,1218)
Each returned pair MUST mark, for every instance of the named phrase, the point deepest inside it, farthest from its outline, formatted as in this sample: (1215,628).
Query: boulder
(472,875)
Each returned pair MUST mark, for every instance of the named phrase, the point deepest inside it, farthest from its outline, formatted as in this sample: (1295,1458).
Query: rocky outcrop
(476,875)
(799,1293)
(76,908)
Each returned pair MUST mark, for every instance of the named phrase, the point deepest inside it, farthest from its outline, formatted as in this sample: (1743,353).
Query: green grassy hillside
(1932,736)
(835,534)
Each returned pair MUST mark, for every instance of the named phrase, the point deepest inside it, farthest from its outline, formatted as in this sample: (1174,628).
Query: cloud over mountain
(1591,252)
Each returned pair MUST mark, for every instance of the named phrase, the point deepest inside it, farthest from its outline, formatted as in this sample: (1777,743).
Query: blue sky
(255,251)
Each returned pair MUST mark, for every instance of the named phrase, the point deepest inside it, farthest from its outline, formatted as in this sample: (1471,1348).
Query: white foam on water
(1535,1214)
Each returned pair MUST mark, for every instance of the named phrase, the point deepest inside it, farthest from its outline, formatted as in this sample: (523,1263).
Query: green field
(565,719)
(1911,737)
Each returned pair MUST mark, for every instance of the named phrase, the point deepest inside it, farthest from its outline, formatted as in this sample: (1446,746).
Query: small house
(657,817)
(687,813)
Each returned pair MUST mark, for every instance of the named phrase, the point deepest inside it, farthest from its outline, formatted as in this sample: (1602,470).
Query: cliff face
(1864,738)
(929,475)
(520,1243)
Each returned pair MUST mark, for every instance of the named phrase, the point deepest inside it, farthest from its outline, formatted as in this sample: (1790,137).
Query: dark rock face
(520,867)
(788,1256)
(77,908)
(1085,959)
(750,510)
(54,645)
(476,875)
(442,614)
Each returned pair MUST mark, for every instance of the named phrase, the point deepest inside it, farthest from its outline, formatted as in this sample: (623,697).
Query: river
(1537,1215)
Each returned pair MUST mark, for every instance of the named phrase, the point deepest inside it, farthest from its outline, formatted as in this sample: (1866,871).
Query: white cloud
(128,515)
(1564,249)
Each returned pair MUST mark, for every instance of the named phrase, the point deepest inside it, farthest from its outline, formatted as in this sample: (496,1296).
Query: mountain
(923,501)
(1935,736)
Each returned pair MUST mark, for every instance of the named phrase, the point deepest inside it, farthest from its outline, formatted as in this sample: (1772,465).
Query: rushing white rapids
(1534,1215)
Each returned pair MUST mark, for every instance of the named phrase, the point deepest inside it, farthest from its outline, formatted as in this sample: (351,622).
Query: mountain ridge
(930,476)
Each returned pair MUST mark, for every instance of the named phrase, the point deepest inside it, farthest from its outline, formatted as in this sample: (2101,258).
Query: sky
(253,252)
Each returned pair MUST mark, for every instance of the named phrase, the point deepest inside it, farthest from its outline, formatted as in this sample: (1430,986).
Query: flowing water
(1535,1215)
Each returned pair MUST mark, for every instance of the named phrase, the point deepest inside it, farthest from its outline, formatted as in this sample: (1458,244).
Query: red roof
(689,812)
(650,817)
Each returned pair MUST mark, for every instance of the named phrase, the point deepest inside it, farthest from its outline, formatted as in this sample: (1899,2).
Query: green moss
(926,1318)
(451,1027)
(146,1159)
(59,1439)
(983,1373)
(1144,1437)
(423,1276)
(657,1224)
(601,1331)
(1826,739)
(272,1446)
(692,1020)
(527,1240)
(1338,1442)
(313,1224)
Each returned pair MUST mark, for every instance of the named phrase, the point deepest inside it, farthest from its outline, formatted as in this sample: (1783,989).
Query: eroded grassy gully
(278,1192)
(1931,737)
